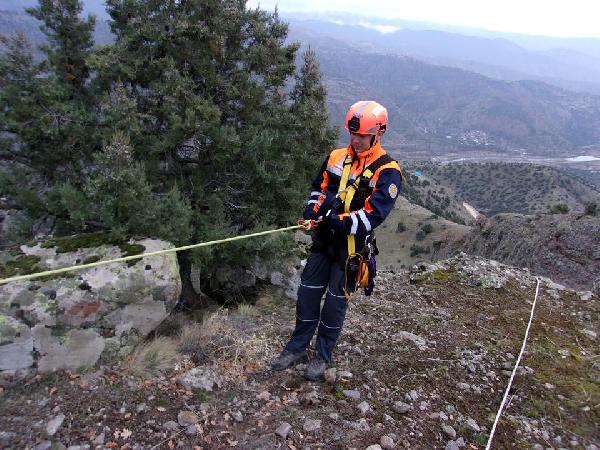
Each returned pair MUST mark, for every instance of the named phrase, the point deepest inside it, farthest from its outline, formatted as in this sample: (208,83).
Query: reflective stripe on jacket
(372,201)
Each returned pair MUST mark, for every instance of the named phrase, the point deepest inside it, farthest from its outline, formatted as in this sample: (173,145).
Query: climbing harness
(143,255)
(359,267)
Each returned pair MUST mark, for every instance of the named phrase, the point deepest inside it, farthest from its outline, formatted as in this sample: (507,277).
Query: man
(353,193)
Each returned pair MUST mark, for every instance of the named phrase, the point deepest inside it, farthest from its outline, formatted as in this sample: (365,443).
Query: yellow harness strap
(346,193)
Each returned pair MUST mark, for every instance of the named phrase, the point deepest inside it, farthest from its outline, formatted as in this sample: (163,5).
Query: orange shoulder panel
(336,156)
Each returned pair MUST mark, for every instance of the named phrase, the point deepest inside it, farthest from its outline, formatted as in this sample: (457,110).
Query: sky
(572,18)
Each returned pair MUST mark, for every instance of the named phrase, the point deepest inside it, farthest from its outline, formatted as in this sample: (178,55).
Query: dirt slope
(430,360)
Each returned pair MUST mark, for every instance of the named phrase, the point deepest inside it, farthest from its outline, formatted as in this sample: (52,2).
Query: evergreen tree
(70,40)
(47,108)
(117,187)
(216,118)
(314,136)
(193,125)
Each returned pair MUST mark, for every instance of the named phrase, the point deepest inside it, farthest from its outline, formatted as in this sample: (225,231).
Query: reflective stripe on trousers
(320,276)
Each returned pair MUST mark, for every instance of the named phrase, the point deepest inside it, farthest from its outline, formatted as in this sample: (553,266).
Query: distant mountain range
(441,109)
(96,7)
(496,57)
(434,109)
(589,46)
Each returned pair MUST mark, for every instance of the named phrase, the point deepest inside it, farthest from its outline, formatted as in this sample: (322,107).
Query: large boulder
(72,321)
(280,272)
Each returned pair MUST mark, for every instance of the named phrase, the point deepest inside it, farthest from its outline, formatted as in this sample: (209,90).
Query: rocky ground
(563,247)
(419,365)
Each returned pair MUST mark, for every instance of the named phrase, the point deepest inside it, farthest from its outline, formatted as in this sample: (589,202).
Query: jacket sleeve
(377,206)
(318,193)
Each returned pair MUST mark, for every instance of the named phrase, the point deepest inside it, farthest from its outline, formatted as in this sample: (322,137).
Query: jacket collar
(376,149)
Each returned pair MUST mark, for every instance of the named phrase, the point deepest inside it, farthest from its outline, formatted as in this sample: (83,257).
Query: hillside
(494,56)
(494,188)
(436,109)
(417,366)
(412,234)
(564,247)
(433,195)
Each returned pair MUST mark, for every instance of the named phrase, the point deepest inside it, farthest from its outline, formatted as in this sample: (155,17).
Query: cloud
(575,18)
(383,29)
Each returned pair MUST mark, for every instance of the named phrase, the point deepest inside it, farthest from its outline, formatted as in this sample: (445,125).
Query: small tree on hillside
(560,208)
(48,118)
(591,209)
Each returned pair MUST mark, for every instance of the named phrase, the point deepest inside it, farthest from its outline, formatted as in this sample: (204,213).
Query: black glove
(331,205)
(333,222)
(309,214)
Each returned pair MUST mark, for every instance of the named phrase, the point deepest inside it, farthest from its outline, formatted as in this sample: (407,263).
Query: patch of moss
(131,250)
(201,395)
(52,307)
(84,240)
(22,265)
(57,276)
(481,439)
(59,331)
(575,376)
(91,259)
(339,393)
(438,276)
(536,408)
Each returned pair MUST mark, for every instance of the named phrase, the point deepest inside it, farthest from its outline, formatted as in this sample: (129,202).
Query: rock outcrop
(75,320)
(563,247)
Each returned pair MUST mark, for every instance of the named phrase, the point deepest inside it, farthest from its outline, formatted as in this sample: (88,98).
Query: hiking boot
(315,369)
(288,359)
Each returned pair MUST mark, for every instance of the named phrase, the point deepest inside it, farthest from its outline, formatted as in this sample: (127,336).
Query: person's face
(360,142)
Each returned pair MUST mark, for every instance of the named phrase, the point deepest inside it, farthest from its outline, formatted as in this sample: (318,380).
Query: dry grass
(230,340)
(246,310)
(226,339)
(154,357)
(172,325)
(271,299)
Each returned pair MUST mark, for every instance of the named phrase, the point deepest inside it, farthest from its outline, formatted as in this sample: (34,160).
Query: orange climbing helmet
(367,117)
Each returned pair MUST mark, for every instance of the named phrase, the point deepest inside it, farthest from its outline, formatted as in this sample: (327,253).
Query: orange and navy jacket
(372,201)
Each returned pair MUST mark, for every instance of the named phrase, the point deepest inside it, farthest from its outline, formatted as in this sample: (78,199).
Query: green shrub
(560,208)
(427,228)
(416,250)
(591,209)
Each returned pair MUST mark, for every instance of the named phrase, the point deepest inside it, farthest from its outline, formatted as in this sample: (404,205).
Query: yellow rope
(142,255)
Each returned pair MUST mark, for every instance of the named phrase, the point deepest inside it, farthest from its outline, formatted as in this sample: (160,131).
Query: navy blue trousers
(320,276)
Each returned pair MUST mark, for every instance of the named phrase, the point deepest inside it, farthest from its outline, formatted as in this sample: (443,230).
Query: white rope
(512,376)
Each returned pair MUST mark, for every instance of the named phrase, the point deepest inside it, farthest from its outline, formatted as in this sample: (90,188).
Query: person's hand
(334,223)
(309,224)
(309,213)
